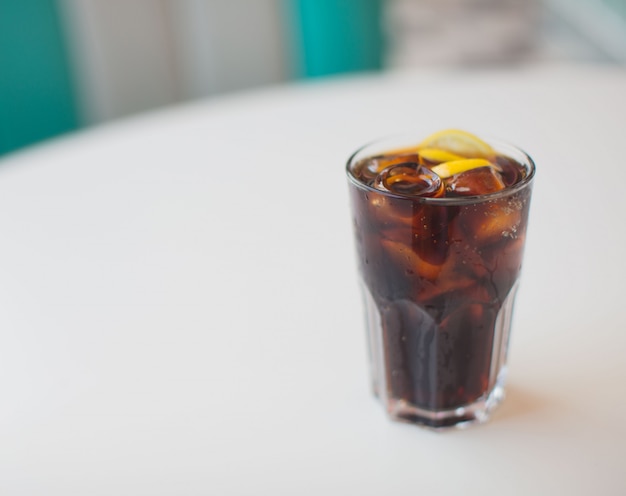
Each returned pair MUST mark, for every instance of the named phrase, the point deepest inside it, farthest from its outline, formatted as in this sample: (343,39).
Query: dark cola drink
(440,229)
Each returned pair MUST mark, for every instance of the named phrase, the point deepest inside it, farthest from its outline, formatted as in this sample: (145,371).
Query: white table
(180,313)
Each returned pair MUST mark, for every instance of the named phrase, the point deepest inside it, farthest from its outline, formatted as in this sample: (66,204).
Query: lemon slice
(453,167)
(459,143)
(438,155)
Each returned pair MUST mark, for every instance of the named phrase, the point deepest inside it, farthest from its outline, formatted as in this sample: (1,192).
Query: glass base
(477,412)
(407,350)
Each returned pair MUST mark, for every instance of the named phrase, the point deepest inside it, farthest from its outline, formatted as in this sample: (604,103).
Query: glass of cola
(440,227)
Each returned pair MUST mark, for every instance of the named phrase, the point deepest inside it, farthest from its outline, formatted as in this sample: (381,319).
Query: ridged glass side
(407,363)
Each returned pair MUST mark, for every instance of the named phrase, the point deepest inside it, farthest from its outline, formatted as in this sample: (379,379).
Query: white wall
(135,55)
(598,22)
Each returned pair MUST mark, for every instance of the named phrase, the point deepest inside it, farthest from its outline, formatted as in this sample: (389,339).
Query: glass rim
(458,200)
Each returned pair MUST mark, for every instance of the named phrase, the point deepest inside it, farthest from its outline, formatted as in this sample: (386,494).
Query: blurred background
(68,64)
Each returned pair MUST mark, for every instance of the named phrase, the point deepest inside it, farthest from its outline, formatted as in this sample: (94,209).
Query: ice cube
(503,260)
(430,232)
(480,181)
(489,222)
(389,212)
(410,178)
(409,261)
(375,165)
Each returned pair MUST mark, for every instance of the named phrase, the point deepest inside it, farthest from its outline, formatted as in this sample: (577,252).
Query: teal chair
(335,36)
(36,89)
